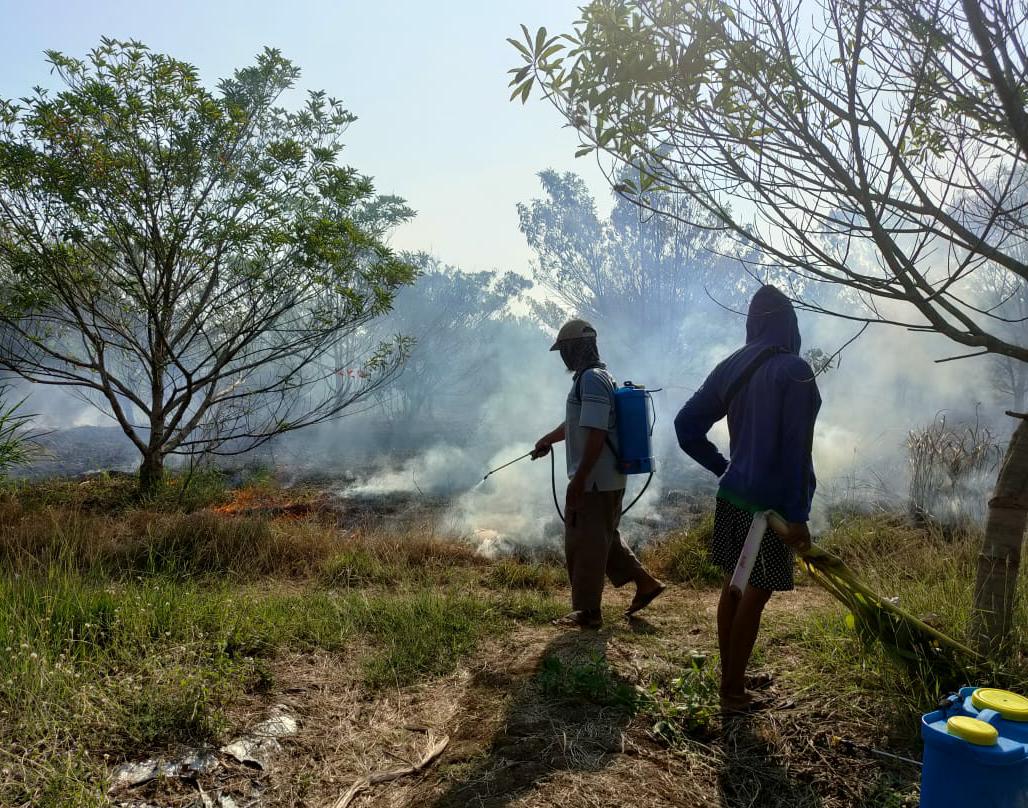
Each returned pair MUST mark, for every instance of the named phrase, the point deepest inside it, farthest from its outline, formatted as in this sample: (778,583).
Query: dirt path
(513,743)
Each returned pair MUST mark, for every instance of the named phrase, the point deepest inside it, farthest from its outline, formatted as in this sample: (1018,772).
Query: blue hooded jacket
(770,419)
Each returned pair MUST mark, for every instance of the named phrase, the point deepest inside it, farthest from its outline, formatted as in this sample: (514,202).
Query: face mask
(579,354)
(568,354)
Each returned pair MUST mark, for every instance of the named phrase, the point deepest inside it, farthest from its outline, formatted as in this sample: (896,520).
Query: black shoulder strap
(578,382)
(578,400)
(746,375)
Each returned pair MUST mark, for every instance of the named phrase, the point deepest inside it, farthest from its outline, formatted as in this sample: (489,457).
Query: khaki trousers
(594,548)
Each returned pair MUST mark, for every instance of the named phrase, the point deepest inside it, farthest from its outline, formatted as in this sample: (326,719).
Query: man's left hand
(576,492)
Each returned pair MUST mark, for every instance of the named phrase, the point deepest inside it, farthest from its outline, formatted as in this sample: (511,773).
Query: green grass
(357,566)
(932,574)
(679,707)
(152,663)
(512,574)
(424,634)
(115,492)
(538,608)
(132,632)
(682,556)
(588,679)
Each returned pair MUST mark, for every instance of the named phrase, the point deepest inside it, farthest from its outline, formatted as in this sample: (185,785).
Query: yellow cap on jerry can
(972,730)
(1011,706)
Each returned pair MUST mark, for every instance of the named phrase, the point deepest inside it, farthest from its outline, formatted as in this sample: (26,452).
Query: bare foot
(585,618)
(646,592)
(741,703)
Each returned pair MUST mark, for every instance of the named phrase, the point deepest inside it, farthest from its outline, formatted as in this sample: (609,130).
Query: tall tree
(185,256)
(637,276)
(453,318)
(857,143)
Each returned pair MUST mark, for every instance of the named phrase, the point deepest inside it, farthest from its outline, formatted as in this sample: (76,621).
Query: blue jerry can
(976,751)
(633,408)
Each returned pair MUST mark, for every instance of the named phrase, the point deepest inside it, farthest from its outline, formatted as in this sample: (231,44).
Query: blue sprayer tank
(976,751)
(633,410)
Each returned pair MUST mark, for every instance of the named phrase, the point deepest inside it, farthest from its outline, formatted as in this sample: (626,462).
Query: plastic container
(976,751)
(748,554)
(633,408)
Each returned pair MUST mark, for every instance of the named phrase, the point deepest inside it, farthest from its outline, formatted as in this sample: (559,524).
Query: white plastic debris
(130,775)
(200,761)
(279,725)
(259,746)
(252,750)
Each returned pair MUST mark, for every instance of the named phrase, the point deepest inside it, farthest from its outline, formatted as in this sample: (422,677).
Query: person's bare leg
(645,582)
(726,608)
(743,635)
(622,564)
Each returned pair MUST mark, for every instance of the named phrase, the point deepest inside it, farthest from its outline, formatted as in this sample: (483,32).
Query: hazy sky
(427,80)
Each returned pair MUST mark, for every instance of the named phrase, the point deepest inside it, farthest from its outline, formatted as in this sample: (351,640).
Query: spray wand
(501,468)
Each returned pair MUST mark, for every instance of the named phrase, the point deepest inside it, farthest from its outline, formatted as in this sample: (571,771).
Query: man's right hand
(542,448)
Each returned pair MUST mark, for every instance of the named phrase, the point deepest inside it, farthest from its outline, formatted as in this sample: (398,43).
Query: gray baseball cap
(571,330)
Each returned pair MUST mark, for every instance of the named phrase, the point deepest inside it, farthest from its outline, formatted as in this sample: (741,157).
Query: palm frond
(908,639)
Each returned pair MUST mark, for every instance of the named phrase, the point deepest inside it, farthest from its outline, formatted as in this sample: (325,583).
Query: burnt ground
(516,741)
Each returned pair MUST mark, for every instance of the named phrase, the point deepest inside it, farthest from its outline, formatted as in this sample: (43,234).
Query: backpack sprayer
(634,419)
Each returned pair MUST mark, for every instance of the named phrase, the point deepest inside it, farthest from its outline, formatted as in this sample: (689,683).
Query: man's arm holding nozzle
(545,443)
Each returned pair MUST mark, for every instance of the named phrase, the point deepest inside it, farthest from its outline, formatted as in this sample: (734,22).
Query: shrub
(683,705)
(951,466)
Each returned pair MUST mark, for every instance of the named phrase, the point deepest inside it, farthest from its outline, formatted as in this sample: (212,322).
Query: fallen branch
(365,783)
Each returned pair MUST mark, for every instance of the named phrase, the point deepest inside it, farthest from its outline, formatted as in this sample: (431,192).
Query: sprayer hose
(553,485)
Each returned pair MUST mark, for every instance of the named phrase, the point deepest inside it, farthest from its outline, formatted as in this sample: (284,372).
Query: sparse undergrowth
(137,630)
(129,630)
(930,571)
(681,556)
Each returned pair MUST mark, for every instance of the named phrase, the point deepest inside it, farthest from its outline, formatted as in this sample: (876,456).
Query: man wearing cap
(592,544)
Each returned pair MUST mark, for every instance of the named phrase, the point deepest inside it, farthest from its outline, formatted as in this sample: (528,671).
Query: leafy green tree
(185,256)
(850,142)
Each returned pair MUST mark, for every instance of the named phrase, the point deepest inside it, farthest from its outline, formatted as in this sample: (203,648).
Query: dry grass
(147,542)
(151,628)
(519,575)
(209,543)
(681,555)
(136,630)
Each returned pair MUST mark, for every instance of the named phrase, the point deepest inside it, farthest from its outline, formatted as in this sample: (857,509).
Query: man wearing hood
(768,393)
(592,544)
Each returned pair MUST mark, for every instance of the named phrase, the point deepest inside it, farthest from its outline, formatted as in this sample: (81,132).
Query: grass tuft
(424,634)
(682,556)
(590,680)
(510,574)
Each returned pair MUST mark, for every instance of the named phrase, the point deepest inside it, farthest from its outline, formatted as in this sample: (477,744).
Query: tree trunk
(151,474)
(1000,559)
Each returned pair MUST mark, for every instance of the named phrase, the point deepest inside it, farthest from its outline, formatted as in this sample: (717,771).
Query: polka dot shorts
(774,566)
